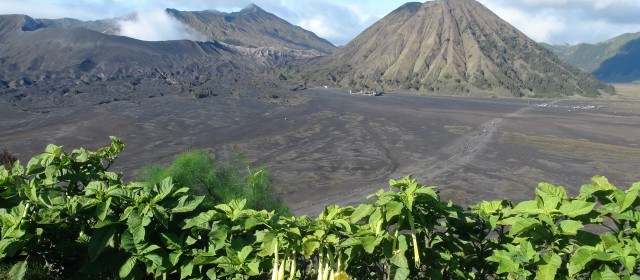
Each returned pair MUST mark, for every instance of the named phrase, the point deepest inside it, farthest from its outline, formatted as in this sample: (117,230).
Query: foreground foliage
(68,213)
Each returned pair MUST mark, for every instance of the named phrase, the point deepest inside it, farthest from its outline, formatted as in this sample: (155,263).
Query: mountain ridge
(41,64)
(612,60)
(250,27)
(456,47)
(440,47)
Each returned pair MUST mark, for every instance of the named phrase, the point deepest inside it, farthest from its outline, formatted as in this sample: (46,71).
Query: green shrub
(218,183)
(69,215)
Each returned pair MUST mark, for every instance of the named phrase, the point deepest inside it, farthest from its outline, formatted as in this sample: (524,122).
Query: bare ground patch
(565,147)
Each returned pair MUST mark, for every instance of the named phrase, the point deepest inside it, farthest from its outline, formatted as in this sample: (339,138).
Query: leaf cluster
(67,213)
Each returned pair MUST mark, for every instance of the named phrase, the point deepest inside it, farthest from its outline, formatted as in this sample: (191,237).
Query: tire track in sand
(471,147)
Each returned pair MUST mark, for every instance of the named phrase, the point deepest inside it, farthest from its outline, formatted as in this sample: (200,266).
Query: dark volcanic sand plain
(329,147)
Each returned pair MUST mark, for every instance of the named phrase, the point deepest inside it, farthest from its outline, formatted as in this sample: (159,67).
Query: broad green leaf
(493,222)
(126,268)
(127,212)
(360,212)
(238,205)
(520,224)
(549,266)
(224,208)
(211,273)
(408,198)
(203,259)
(605,256)
(550,203)
(546,190)
(309,247)
(330,212)
(375,219)
(332,239)
(224,260)
(400,260)
(609,239)
(175,257)
(164,189)
(629,263)
(598,184)
(605,273)
(506,263)
(161,215)
(527,252)
(602,183)
(121,193)
(99,241)
(528,207)
(187,205)
(17,169)
(32,165)
(401,274)
(148,249)
(102,209)
(136,226)
(18,271)
(244,253)
(111,176)
(160,262)
(127,243)
(570,227)
(398,183)
(576,208)
(487,208)
(393,208)
(187,270)
(342,223)
(95,188)
(253,268)
(53,150)
(351,242)
(201,220)
(580,259)
(630,197)
(180,191)
(50,173)
(429,191)
(171,241)
(402,243)
(295,231)
(218,234)
(268,241)
(253,221)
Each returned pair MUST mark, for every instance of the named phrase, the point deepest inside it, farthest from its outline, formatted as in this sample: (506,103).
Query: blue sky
(554,21)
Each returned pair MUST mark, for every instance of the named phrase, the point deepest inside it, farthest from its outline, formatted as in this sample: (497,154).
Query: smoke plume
(156,25)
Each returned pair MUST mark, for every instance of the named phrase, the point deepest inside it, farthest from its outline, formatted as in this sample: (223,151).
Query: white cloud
(546,24)
(319,25)
(156,25)
(569,21)
(363,15)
